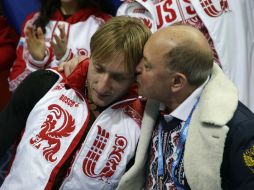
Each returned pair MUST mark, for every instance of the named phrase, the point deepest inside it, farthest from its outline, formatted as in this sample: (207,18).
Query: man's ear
(178,81)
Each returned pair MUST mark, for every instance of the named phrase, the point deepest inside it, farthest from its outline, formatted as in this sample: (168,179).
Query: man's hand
(35,42)
(69,66)
(60,44)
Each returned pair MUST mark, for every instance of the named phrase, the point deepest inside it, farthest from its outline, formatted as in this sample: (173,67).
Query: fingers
(74,63)
(27,31)
(32,33)
(62,31)
(59,43)
(68,67)
(30,36)
(65,67)
(56,43)
(61,67)
(67,70)
(60,39)
(82,58)
(57,39)
(40,34)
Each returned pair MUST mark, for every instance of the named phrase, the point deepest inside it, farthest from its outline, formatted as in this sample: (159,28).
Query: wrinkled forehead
(156,49)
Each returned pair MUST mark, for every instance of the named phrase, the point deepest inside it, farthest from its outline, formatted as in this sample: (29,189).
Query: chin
(100,103)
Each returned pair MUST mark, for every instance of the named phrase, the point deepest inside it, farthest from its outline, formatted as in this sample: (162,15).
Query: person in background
(203,137)
(60,30)
(226,24)
(80,131)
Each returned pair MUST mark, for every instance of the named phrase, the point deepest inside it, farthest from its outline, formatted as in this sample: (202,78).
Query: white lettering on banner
(212,9)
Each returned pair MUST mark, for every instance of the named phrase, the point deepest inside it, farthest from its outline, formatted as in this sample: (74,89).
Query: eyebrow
(126,75)
(123,75)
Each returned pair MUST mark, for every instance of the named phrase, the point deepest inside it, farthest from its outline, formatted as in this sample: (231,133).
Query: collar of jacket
(207,132)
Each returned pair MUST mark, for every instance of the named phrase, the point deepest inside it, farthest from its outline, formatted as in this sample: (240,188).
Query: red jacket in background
(8,42)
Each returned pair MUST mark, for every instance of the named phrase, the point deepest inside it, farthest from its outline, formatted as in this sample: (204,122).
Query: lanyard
(179,149)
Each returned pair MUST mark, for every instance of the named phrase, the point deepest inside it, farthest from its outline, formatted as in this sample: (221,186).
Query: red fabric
(81,15)
(77,79)
(4,89)
(8,42)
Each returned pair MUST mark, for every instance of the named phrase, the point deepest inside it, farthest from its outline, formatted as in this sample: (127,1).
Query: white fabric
(229,30)
(121,129)
(248,6)
(143,10)
(102,159)
(134,177)
(32,168)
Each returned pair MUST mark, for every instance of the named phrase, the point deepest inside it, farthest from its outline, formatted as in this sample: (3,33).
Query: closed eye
(119,77)
(147,66)
(99,69)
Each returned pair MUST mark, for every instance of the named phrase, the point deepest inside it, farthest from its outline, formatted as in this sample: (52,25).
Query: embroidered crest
(93,155)
(51,133)
(248,157)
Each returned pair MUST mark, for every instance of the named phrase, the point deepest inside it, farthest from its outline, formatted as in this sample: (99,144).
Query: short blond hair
(120,35)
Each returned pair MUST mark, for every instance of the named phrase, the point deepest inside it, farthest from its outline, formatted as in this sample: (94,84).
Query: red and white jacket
(79,29)
(54,129)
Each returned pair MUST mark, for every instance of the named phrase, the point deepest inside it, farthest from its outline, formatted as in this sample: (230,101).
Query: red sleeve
(77,79)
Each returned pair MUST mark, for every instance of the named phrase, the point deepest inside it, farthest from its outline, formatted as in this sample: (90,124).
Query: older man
(203,137)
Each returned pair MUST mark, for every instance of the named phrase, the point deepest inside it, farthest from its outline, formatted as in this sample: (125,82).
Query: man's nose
(104,83)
